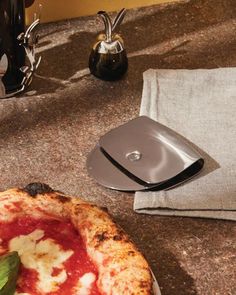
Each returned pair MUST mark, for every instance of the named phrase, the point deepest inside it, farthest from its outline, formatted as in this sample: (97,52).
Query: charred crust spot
(104,236)
(131,253)
(144,284)
(101,236)
(104,209)
(117,238)
(62,199)
(120,236)
(78,209)
(33,189)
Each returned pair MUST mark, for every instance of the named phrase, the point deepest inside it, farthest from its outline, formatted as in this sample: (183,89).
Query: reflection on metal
(155,286)
(143,154)
(3,69)
(28,40)
(3,65)
(108,58)
(134,156)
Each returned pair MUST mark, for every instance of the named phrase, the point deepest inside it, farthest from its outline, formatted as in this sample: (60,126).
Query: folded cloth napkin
(201,106)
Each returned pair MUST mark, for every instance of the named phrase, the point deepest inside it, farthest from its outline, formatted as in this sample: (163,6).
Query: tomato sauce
(64,234)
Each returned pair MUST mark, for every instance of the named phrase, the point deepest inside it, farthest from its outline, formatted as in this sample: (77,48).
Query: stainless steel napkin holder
(143,155)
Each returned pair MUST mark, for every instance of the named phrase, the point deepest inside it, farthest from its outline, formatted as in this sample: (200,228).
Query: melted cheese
(85,284)
(42,256)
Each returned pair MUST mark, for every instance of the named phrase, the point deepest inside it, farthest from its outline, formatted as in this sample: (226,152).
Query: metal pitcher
(17,47)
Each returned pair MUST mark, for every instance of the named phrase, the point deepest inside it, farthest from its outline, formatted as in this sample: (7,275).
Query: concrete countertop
(47,133)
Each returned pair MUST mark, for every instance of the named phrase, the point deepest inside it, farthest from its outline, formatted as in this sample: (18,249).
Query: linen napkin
(201,106)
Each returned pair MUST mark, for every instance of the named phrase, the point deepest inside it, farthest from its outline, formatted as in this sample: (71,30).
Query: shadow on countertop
(177,249)
(171,276)
(169,24)
(192,34)
(65,97)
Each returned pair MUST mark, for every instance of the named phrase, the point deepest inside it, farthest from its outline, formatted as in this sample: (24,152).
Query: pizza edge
(121,266)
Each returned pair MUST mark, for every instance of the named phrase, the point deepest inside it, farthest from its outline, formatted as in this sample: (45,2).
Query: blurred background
(59,9)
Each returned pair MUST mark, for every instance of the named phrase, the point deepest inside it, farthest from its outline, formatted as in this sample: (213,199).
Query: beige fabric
(201,106)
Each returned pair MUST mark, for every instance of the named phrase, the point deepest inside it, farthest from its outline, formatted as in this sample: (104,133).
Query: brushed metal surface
(142,155)
(164,154)
(107,174)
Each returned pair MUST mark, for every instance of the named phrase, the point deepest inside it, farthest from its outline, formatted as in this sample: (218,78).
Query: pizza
(68,246)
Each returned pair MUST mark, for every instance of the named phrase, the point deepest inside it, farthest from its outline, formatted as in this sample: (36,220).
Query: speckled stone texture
(47,133)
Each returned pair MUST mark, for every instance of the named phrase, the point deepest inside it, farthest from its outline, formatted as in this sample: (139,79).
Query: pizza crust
(122,268)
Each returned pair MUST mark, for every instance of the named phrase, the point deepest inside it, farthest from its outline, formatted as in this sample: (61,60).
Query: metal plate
(142,155)
(155,287)
(149,150)
(105,173)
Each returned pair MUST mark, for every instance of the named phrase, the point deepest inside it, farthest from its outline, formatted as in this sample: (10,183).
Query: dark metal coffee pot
(17,48)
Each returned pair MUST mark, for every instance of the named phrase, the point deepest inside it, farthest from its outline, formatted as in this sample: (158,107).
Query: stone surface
(47,133)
